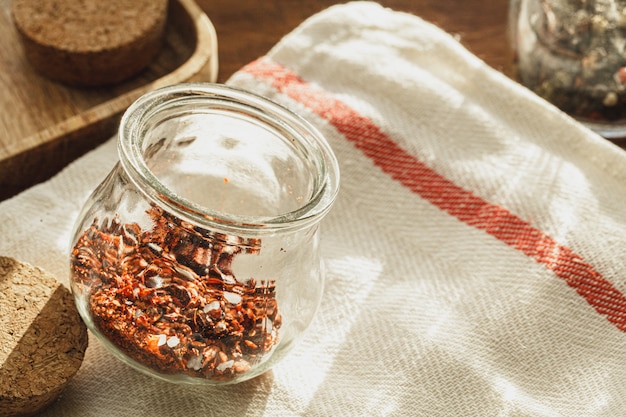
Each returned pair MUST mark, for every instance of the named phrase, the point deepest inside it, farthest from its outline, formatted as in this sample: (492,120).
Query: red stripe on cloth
(443,193)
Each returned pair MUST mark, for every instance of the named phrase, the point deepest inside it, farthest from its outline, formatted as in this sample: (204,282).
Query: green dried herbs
(572,53)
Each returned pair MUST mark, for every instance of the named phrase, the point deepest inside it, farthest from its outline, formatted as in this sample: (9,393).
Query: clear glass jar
(573,54)
(197,259)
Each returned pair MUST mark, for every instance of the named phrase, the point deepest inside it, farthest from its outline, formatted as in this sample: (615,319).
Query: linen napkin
(475,256)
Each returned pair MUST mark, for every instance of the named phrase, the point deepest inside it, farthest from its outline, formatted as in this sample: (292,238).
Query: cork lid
(43,338)
(87,25)
(90,42)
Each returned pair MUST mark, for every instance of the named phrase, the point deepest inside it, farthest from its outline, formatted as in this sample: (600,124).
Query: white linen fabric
(475,255)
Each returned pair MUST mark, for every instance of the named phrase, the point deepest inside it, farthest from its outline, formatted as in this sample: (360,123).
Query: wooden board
(45,125)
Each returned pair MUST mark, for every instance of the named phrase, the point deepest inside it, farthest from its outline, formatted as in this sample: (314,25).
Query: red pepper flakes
(168,298)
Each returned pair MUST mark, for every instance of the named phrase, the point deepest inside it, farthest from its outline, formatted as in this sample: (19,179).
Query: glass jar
(197,259)
(573,54)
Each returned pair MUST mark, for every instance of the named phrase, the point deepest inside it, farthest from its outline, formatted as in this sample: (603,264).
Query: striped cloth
(475,256)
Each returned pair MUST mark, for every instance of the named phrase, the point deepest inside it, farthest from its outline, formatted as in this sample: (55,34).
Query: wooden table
(247,29)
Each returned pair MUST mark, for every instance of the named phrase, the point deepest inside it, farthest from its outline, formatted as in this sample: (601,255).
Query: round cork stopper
(43,338)
(90,42)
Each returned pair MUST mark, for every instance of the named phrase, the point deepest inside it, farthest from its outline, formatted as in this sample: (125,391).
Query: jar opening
(219,154)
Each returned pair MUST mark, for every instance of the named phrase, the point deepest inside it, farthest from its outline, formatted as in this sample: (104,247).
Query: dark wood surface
(247,29)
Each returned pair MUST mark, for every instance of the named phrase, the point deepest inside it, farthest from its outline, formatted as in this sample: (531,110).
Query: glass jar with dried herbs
(197,259)
(573,54)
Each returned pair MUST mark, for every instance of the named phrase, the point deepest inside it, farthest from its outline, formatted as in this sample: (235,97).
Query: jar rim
(131,155)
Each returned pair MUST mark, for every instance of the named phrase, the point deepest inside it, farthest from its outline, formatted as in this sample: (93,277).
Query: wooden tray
(45,125)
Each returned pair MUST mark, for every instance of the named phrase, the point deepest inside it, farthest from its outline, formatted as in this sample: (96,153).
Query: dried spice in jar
(167,296)
(573,54)
(197,259)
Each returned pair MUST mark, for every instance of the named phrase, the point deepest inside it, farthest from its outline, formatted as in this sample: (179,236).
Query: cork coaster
(43,339)
(90,42)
